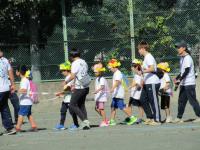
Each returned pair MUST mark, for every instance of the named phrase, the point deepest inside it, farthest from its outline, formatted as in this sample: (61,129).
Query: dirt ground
(184,136)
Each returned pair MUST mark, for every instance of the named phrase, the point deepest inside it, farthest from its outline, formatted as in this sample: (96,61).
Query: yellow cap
(28,74)
(113,63)
(164,66)
(137,61)
(65,66)
(99,68)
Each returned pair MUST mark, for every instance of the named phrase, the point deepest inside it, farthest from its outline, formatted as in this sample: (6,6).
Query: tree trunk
(34,49)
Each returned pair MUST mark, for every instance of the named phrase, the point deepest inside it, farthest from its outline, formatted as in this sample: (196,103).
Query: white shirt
(4,68)
(68,94)
(102,95)
(136,94)
(118,91)
(25,98)
(150,78)
(79,68)
(165,79)
(186,62)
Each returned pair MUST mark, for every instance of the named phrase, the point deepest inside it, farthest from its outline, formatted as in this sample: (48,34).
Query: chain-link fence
(104,32)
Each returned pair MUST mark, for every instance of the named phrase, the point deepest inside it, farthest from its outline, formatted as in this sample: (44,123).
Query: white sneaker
(178,120)
(196,120)
(169,119)
(154,123)
(85,125)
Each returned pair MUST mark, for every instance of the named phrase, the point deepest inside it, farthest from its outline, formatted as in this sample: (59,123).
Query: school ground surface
(184,136)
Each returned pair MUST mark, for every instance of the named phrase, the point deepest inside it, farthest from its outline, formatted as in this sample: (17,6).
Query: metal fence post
(64,21)
(132,29)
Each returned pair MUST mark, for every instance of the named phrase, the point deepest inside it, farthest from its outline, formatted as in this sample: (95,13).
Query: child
(118,93)
(136,89)
(65,69)
(165,90)
(101,92)
(25,100)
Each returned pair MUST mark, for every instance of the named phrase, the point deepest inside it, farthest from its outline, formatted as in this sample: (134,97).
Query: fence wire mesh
(104,32)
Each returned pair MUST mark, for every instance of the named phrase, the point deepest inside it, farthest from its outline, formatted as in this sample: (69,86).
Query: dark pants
(5,111)
(187,93)
(63,112)
(77,105)
(15,102)
(150,101)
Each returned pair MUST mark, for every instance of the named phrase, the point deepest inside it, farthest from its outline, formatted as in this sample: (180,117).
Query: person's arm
(11,77)
(150,69)
(187,70)
(22,91)
(100,89)
(72,77)
(115,85)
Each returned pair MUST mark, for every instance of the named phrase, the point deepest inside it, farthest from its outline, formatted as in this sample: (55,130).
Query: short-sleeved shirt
(186,62)
(25,98)
(67,94)
(135,93)
(80,69)
(102,95)
(165,79)
(4,81)
(150,78)
(118,91)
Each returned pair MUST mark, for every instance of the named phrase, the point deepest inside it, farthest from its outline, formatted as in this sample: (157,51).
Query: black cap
(181,44)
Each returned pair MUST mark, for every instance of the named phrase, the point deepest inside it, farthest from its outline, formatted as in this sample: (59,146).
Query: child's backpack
(125,82)
(34,92)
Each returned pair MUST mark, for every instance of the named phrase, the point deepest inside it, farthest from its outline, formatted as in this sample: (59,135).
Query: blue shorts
(25,110)
(118,103)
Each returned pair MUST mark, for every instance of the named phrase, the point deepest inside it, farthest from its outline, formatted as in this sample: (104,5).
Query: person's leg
(141,112)
(63,111)
(75,101)
(32,121)
(191,95)
(15,102)
(182,101)
(81,103)
(19,122)
(152,92)
(145,102)
(113,114)
(97,108)
(5,111)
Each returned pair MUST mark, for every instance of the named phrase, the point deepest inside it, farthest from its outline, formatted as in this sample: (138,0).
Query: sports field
(184,136)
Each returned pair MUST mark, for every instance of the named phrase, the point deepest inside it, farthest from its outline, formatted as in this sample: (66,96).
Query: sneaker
(85,125)
(178,120)
(10,132)
(147,121)
(103,124)
(112,122)
(73,127)
(59,127)
(196,120)
(132,120)
(127,119)
(169,119)
(139,120)
(154,123)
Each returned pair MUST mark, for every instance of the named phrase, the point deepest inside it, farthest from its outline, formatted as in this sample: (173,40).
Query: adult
(149,96)
(79,73)
(5,87)
(187,82)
